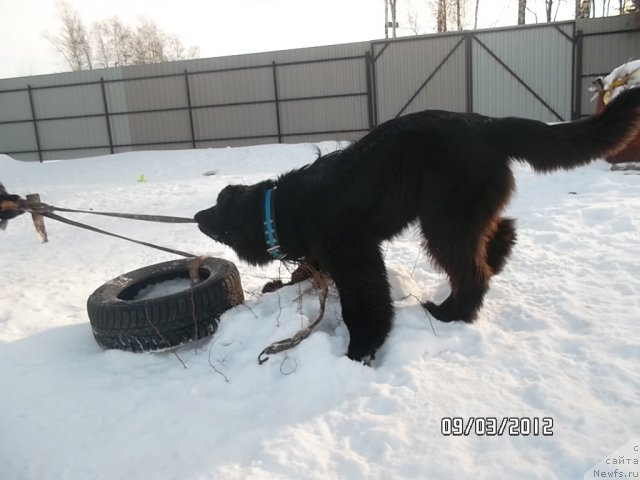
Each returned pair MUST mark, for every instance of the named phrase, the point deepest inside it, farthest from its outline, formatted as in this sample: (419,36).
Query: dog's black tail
(569,145)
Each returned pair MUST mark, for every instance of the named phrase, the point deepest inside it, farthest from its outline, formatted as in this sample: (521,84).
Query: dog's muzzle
(207,220)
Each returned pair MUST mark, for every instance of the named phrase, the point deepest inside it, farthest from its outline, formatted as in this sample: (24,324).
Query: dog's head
(235,220)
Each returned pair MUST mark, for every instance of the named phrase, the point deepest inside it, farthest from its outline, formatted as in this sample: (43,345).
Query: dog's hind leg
(464,261)
(500,244)
(470,258)
(358,269)
(470,242)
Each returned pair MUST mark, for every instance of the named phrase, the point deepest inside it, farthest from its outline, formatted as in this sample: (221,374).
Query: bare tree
(72,41)
(459,14)
(390,6)
(394,23)
(450,14)
(475,17)
(522,8)
(412,21)
(583,8)
(441,16)
(111,43)
(148,43)
(548,7)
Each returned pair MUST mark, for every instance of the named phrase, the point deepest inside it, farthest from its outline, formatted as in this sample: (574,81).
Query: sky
(227,27)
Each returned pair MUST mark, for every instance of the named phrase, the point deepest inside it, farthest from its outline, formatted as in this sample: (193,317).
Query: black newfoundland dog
(448,171)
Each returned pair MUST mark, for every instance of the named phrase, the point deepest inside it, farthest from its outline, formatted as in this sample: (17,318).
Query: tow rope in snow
(319,282)
(13,205)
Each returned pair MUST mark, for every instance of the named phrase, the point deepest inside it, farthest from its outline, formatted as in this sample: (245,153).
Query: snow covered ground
(558,338)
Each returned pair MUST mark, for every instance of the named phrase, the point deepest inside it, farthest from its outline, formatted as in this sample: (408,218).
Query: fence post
(106,114)
(193,131)
(368,65)
(577,98)
(277,99)
(35,123)
(374,80)
(468,60)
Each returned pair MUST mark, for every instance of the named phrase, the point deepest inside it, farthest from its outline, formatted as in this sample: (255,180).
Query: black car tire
(120,321)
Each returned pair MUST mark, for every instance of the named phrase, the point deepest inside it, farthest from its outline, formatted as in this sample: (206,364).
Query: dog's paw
(365,360)
(446,312)
(272,286)
(435,310)
(361,354)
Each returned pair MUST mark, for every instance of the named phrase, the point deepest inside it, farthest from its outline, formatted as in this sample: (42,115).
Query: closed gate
(525,71)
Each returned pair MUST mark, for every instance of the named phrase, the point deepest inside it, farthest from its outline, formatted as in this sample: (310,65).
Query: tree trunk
(522,8)
(549,9)
(442,16)
(393,17)
(386,18)
(584,9)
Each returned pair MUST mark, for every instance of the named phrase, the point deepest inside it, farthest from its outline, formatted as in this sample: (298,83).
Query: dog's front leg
(357,267)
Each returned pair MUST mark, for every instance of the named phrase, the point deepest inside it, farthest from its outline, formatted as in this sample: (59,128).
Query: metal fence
(336,92)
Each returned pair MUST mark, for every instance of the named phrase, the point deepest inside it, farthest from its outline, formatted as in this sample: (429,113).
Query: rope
(35,207)
(43,207)
(53,216)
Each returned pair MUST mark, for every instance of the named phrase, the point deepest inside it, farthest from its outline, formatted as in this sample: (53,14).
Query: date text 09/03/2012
(492,426)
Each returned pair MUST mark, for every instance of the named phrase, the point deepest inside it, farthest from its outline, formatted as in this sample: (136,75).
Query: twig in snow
(244,304)
(426,312)
(226,379)
(279,309)
(146,314)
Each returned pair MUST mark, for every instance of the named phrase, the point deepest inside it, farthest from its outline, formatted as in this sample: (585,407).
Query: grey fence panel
(329,96)
(65,154)
(328,115)
(115,99)
(419,73)
(89,132)
(17,131)
(154,146)
(233,104)
(345,76)
(162,128)
(235,122)
(156,127)
(316,53)
(18,137)
(524,72)
(62,101)
(243,142)
(236,86)
(14,106)
(155,94)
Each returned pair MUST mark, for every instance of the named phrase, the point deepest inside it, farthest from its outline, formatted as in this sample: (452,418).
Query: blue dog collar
(270,232)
